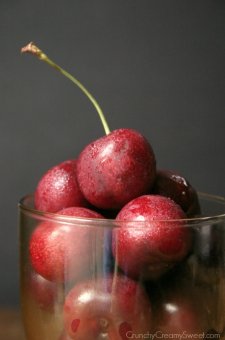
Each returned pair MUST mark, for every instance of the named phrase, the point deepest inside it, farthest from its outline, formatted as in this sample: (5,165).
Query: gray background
(154,65)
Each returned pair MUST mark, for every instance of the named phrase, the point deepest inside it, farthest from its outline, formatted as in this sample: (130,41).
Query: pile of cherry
(115,176)
(125,281)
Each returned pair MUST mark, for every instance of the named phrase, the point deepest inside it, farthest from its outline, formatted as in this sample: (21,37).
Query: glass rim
(73,219)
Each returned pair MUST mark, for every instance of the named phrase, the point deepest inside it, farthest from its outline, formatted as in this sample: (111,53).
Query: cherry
(58,188)
(46,293)
(176,187)
(178,316)
(155,241)
(107,308)
(180,309)
(61,251)
(116,168)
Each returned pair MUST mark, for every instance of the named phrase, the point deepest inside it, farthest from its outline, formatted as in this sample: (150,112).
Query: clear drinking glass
(76,289)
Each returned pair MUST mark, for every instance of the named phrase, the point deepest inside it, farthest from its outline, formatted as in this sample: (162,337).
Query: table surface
(10,324)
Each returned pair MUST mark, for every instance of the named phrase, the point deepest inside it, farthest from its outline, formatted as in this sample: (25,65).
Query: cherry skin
(150,243)
(58,188)
(116,168)
(60,251)
(176,187)
(107,308)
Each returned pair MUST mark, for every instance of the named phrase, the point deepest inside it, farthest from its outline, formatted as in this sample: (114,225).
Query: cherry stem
(33,49)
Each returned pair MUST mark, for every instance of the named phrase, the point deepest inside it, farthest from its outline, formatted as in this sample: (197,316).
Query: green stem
(31,48)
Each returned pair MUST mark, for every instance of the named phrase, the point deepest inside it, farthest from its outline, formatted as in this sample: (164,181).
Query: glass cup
(80,280)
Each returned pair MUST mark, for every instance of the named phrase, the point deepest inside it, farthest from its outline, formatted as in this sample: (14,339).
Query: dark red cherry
(178,316)
(155,240)
(112,308)
(61,251)
(58,188)
(181,310)
(176,187)
(116,168)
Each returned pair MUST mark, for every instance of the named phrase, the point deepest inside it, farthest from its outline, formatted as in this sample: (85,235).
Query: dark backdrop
(154,65)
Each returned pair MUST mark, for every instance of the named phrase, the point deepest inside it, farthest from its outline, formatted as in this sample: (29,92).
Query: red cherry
(179,316)
(108,307)
(176,187)
(151,247)
(116,168)
(46,293)
(58,188)
(60,251)
(181,311)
